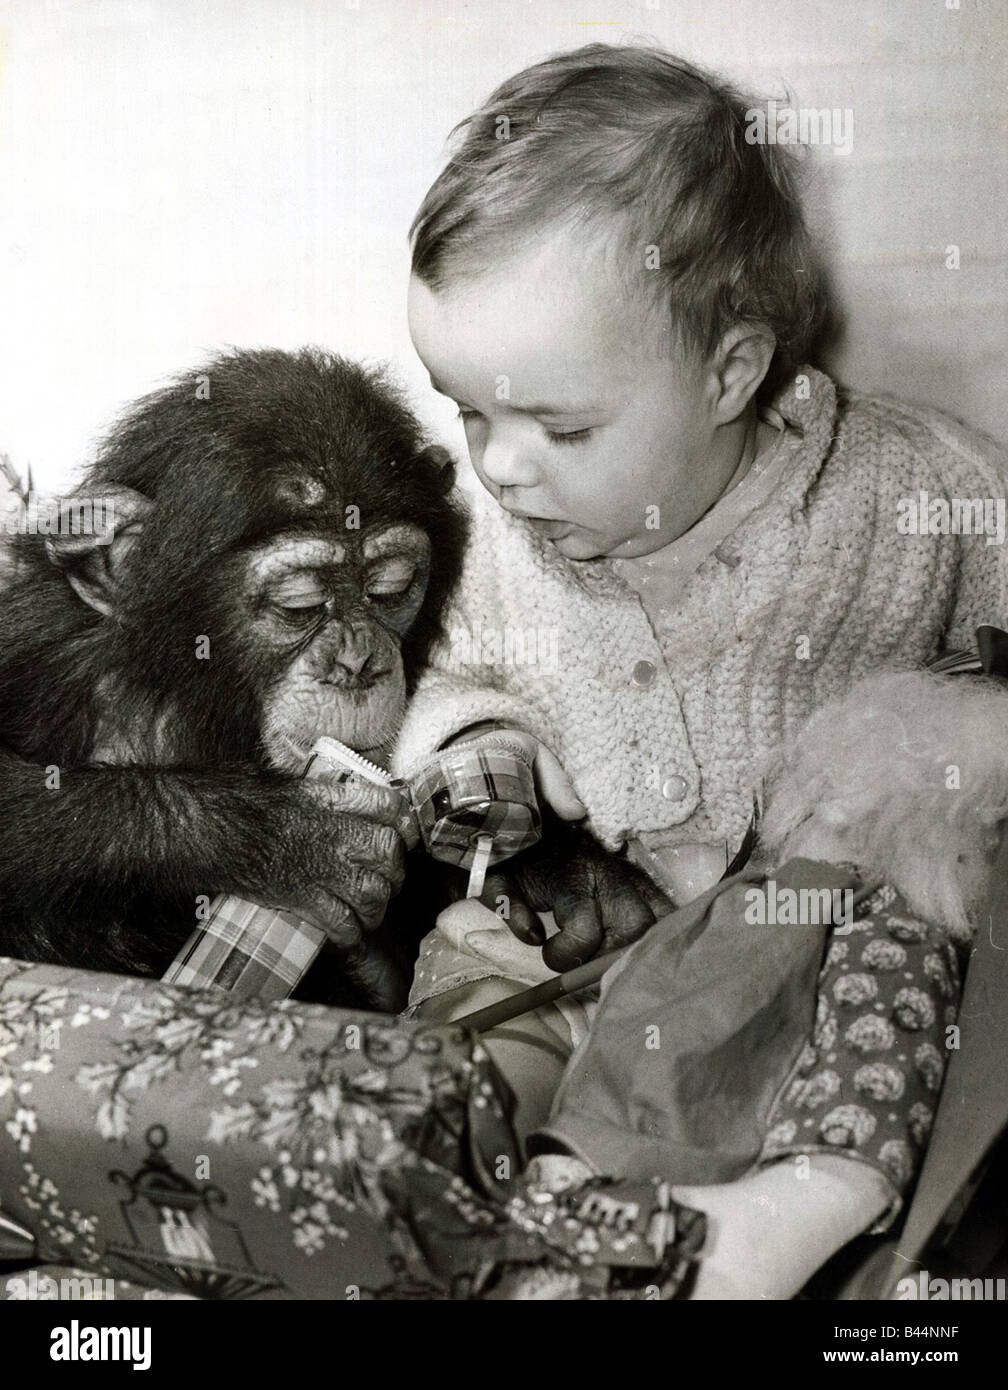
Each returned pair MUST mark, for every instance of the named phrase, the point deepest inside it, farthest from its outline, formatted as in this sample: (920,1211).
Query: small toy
(476,805)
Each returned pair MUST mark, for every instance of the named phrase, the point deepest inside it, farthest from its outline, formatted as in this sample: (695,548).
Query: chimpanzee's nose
(353,662)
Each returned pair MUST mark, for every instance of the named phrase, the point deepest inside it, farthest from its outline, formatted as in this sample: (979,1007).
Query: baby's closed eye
(568,436)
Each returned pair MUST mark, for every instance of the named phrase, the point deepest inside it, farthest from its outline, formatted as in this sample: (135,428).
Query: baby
(703,536)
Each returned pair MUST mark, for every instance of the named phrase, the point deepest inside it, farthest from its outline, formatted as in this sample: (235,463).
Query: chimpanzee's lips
(357,685)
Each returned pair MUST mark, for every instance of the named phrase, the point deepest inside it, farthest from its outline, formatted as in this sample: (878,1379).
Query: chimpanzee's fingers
(377,976)
(331,915)
(387,805)
(377,849)
(659,903)
(365,893)
(351,902)
(576,913)
(623,908)
(502,896)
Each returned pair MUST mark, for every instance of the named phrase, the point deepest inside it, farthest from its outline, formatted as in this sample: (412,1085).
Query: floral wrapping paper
(188,1143)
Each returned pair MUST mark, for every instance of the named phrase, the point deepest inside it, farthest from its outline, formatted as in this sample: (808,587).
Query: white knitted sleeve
(445,703)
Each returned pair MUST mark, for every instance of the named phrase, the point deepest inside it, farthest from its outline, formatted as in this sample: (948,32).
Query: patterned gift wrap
(481,788)
(181,1141)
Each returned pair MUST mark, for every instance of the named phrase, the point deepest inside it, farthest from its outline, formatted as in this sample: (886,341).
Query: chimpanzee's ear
(99,523)
(441,464)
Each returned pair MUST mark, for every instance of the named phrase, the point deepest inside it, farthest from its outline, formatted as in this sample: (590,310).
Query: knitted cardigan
(813,590)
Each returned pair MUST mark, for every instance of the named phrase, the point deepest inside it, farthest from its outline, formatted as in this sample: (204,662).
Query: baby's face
(575,412)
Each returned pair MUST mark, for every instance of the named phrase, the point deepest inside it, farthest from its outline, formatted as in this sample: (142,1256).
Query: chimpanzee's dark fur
(104,871)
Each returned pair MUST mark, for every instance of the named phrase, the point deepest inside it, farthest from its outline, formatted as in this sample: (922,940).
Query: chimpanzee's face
(331,612)
(282,553)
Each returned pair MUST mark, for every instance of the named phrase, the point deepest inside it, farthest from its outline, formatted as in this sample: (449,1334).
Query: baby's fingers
(555,788)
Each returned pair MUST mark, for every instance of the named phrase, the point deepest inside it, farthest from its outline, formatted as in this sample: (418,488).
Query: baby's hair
(912,768)
(653,150)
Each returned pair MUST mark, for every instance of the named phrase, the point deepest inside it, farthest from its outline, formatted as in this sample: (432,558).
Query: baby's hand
(554,788)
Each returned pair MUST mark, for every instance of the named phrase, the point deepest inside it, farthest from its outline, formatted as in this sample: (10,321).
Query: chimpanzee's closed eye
(301,615)
(299,600)
(391,581)
(393,575)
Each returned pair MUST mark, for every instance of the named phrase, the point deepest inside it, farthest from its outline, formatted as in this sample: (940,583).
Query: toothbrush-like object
(337,754)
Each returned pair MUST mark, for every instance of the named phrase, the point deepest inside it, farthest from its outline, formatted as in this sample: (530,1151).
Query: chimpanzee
(283,544)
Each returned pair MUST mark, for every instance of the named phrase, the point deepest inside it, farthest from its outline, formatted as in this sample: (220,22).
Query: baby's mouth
(551,530)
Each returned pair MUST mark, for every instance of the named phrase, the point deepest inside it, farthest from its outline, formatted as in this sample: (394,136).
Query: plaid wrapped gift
(250,949)
(253,951)
(476,789)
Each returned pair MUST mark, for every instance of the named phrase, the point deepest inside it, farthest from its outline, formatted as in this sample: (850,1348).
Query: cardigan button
(674,788)
(643,673)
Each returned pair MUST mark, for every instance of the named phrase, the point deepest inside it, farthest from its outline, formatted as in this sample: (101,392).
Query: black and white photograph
(504,667)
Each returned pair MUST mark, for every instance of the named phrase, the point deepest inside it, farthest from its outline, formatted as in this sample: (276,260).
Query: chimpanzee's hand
(340,859)
(599,900)
(341,855)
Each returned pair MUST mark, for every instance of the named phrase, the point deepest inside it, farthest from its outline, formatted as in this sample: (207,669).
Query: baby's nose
(505,463)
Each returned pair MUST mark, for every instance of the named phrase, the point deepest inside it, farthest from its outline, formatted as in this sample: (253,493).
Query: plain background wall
(176,175)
